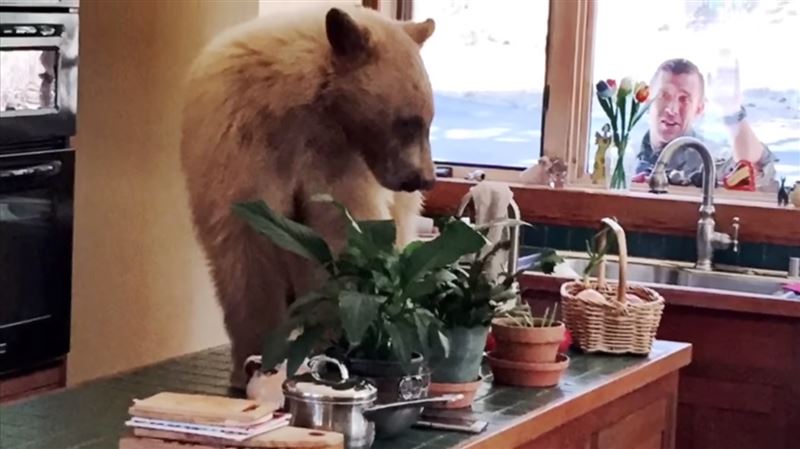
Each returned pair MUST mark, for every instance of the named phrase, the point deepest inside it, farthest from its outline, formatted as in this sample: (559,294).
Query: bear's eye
(407,129)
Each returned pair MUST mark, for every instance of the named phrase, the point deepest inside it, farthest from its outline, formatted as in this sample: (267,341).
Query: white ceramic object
(794,197)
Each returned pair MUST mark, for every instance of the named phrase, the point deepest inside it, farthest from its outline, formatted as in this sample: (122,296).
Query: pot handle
(317,361)
(413,402)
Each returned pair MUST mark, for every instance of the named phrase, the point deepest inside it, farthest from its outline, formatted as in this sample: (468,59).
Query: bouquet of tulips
(623,106)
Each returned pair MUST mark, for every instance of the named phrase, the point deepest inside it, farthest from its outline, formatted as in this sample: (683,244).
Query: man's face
(677,102)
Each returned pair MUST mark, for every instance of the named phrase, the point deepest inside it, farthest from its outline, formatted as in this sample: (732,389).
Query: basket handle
(622,285)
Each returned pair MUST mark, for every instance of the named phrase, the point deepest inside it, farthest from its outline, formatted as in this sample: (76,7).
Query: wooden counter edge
(539,422)
(684,296)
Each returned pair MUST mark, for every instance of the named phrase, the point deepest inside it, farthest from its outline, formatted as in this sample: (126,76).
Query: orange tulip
(642,93)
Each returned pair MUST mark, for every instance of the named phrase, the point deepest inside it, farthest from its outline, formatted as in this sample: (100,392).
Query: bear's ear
(344,34)
(420,31)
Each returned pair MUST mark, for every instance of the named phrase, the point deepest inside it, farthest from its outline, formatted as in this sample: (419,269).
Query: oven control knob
(47,30)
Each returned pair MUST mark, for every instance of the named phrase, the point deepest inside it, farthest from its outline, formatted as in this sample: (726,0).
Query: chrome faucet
(708,239)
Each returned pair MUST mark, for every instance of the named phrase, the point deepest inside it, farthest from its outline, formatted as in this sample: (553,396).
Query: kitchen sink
(674,274)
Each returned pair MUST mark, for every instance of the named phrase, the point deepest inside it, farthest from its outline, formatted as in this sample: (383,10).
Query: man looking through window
(678,101)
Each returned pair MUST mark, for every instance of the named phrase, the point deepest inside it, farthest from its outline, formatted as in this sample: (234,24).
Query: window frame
(569,92)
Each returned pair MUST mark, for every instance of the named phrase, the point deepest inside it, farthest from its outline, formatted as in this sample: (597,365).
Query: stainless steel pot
(344,404)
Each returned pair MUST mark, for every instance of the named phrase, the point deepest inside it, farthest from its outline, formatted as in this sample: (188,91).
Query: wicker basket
(614,325)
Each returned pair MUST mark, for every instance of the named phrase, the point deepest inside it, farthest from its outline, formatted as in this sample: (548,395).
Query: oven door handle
(47,169)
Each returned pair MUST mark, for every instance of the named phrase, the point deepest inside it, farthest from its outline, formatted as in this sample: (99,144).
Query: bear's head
(379,93)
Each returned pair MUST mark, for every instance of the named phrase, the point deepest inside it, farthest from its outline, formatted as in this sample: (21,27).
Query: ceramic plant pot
(526,344)
(394,384)
(463,363)
(468,389)
(524,374)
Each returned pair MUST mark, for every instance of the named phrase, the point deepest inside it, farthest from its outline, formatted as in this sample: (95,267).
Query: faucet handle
(735,238)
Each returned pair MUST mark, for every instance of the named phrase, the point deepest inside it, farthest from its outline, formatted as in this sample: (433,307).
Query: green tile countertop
(91,415)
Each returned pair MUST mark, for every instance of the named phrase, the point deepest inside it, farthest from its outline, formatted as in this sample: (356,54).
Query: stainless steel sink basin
(647,273)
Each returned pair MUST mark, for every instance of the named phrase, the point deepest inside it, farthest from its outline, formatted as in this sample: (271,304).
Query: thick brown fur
(285,107)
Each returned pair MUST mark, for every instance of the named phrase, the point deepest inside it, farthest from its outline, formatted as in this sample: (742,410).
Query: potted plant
(526,349)
(367,312)
(465,299)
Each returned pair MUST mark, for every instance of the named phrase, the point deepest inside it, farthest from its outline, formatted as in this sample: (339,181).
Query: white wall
(141,291)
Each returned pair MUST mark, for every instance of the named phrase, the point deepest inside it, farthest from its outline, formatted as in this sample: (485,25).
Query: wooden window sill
(637,210)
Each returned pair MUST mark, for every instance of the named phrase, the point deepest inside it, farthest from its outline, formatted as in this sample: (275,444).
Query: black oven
(38,71)
(36,197)
(38,108)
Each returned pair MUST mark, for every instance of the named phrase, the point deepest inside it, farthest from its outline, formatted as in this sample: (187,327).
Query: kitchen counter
(616,401)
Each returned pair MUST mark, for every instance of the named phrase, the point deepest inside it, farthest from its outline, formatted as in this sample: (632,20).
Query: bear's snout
(417,182)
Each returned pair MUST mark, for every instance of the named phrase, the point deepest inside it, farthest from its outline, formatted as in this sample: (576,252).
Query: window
(724,40)
(486,62)
(489,63)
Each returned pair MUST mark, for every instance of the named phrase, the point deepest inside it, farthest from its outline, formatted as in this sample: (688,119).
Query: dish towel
(491,201)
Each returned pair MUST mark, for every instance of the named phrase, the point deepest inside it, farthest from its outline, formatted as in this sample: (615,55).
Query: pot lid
(323,384)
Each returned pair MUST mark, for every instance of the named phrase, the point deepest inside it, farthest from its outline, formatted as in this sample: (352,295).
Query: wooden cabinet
(642,419)
(742,390)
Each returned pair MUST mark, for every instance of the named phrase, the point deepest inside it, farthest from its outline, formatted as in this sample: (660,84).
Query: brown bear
(322,100)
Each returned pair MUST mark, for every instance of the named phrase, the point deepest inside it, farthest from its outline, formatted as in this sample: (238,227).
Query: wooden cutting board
(283,438)
(201,409)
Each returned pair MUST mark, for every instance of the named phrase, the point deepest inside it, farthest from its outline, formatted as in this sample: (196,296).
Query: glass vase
(619,168)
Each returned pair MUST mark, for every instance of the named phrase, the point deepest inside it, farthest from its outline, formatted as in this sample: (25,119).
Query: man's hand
(724,86)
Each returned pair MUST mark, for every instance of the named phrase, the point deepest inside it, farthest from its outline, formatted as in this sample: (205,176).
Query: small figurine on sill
(794,197)
(538,174)
(603,141)
(783,193)
(477,175)
(558,173)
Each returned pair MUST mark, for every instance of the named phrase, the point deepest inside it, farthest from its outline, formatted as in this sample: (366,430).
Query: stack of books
(174,420)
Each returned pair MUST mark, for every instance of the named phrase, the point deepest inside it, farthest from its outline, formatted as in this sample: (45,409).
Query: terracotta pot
(527,344)
(468,389)
(523,374)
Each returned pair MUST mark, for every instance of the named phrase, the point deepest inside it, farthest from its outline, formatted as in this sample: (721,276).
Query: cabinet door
(642,429)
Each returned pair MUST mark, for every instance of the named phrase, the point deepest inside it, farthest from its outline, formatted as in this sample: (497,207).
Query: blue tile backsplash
(657,246)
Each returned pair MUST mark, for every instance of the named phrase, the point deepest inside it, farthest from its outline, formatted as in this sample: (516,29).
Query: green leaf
(422,288)
(369,236)
(275,347)
(424,320)
(503,222)
(381,234)
(285,233)
(399,340)
(439,345)
(456,240)
(444,342)
(605,103)
(301,305)
(639,116)
(634,108)
(479,266)
(549,260)
(301,347)
(411,247)
(445,276)
(358,311)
